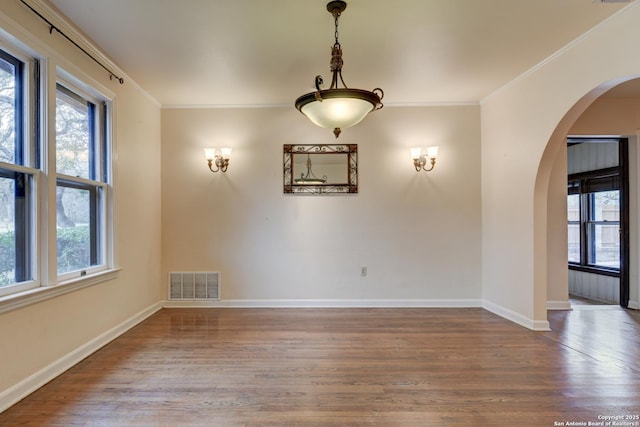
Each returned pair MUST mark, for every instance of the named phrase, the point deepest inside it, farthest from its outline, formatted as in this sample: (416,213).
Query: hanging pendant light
(338,108)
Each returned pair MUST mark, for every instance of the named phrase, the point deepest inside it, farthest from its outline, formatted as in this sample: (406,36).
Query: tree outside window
(78,152)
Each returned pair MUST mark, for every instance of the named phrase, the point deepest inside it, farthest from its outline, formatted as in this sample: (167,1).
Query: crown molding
(73,32)
(564,49)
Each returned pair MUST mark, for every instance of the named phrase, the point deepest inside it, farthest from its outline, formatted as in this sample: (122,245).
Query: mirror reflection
(322,168)
(314,169)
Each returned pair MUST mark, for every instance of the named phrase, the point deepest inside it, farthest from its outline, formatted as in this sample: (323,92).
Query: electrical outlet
(363,271)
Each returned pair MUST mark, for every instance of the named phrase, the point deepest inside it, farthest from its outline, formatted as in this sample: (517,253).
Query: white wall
(418,233)
(38,340)
(523,129)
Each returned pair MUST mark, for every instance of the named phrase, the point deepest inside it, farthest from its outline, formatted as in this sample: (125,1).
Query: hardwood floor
(324,367)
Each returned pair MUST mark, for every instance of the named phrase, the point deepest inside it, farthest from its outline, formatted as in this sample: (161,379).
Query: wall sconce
(420,155)
(220,160)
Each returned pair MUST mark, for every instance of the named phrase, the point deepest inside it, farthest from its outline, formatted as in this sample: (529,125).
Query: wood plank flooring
(349,367)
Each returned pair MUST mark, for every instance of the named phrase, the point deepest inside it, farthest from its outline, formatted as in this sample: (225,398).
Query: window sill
(33,296)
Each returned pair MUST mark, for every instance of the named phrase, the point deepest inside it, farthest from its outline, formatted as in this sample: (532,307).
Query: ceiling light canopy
(338,108)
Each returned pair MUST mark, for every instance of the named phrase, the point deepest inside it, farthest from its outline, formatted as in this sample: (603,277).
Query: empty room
(249,212)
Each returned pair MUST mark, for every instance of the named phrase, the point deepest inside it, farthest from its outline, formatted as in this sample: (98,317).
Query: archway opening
(608,110)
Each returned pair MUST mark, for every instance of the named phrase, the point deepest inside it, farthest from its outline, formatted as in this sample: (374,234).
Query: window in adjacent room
(593,205)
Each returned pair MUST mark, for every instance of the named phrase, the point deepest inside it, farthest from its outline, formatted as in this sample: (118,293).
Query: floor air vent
(194,285)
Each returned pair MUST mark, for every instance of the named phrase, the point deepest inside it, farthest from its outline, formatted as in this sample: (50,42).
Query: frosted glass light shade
(432,152)
(209,153)
(429,152)
(338,108)
(337,113)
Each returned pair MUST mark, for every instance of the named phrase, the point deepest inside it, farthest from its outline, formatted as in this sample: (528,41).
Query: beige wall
(418,233)
(609,116)
(474,229)
(557,240)
(36,338)
(523,129)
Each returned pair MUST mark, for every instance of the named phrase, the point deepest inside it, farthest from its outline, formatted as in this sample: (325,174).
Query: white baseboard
(634,305)
(534,325)
(338,303)
(30,384)
(558,305)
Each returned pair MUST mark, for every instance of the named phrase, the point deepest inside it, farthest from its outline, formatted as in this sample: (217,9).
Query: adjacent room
(249,212)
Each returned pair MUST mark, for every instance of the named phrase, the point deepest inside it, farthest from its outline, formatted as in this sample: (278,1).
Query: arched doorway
(524,126)
(592,115)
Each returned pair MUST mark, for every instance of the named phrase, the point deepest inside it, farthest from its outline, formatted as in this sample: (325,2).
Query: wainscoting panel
(594,286)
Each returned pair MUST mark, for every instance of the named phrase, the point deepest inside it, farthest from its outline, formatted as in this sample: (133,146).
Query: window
(603,229)
(77,159)
(593,211)
(81,154)
(16,178)
(11,101)
(573,213)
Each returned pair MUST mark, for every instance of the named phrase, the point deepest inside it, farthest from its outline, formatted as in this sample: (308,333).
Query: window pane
(605,206)
(7,232)
(74,133)
(604,249)
(74,208)
(8,107)
(574,243)
(573,207)
(14,223)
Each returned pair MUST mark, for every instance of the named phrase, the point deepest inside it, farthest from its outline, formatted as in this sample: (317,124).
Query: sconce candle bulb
(420,155)
(221,160)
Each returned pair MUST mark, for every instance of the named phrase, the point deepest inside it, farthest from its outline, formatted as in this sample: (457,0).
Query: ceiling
(265,53)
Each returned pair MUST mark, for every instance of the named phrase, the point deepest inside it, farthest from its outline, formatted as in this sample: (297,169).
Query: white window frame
(39,128)
(29,82)
(102,181)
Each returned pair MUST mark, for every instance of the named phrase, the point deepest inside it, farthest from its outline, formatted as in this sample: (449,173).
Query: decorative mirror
(319,169)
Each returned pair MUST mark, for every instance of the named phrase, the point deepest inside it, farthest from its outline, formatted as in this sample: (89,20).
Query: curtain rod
(52,27)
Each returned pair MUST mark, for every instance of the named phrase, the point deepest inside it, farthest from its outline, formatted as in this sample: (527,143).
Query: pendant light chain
(336,55)
(336,16)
